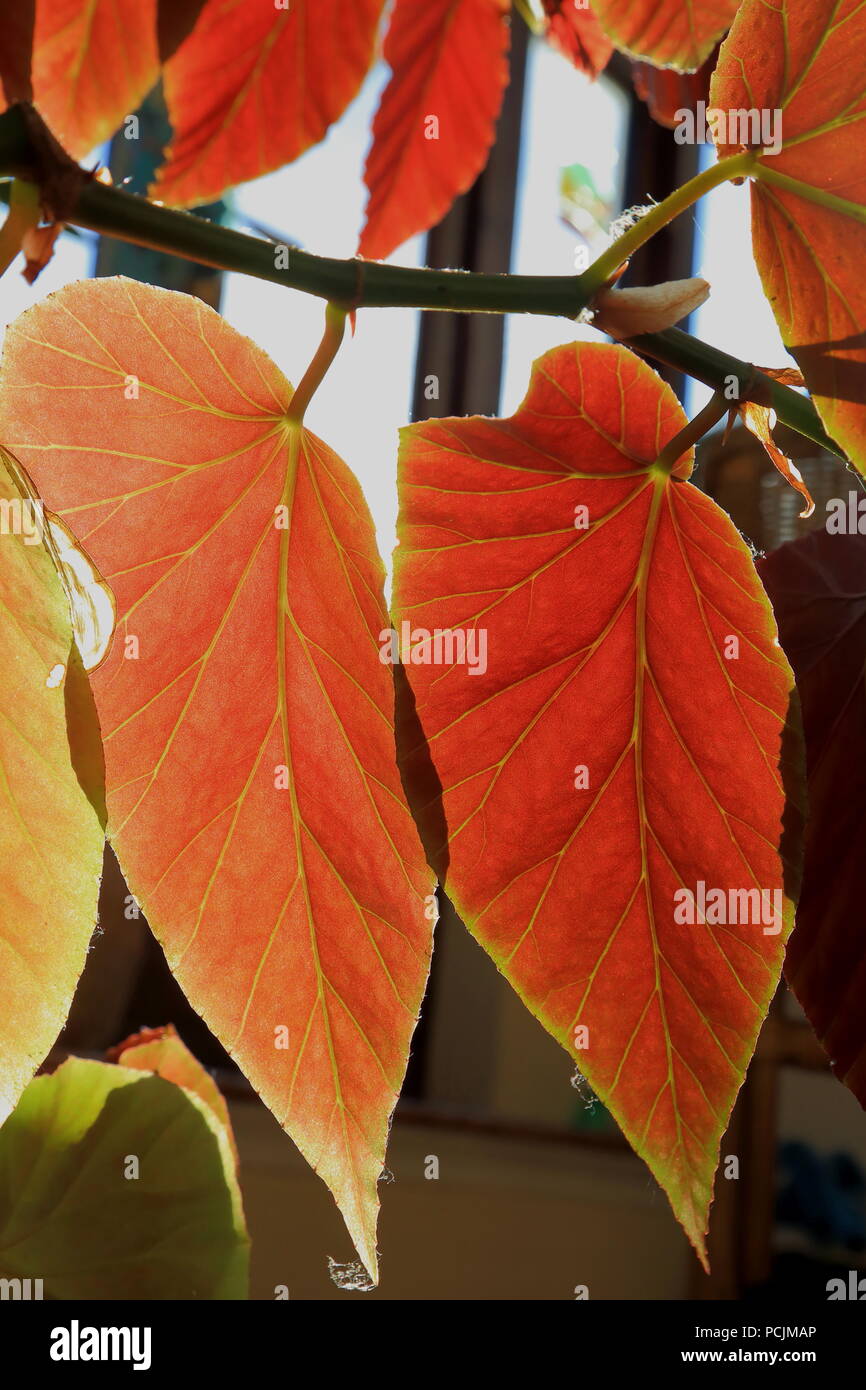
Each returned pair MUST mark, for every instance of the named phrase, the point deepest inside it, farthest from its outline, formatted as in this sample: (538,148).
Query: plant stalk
(604,268)
(28,151)
(691,433)
(718,370)
(335,325)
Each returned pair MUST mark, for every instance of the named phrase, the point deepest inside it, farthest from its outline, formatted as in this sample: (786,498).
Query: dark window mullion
(464,351)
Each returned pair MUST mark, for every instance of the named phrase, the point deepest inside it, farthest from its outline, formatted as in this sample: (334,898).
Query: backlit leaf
(253,796)
(90,600)
(73,1216)
(808,63)
(51,793)
(576,32)
(254,86)
(160,1050)
(669,33)
(94,61)
(620,742)
(436,121)
(667,93)
(816,585)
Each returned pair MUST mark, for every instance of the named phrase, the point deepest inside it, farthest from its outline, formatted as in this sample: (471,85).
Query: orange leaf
(808,62)
(621,744)
(253,86)
(94,61)
(436,120)
(668,33)
(253,795)
(667,93)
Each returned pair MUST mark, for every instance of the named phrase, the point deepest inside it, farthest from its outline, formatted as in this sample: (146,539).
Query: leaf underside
(253,87)
(610,754)
(808,62)
(449,60)
(669,33)
(94,62)
(253,796)
(576,32)
(52,792)
(72,1215)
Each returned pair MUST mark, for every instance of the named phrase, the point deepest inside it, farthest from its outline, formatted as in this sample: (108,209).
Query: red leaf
(610,754)
(94,61)
(254,86)
(668,33)
(576,32)
(253,794)
(667,93)
(449,66)
(816,585)
(808,64)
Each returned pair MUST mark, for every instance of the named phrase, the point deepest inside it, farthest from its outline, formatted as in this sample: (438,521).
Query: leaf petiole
(23,214)
(335,327)
(684,439)
(604,268)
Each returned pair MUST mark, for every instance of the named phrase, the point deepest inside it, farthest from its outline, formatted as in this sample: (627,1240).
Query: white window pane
(567,120)
(736,318)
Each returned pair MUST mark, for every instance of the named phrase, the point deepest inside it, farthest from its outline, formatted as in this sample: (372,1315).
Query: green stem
(335,325)
(719,370)
(602,270)
(28,151)
(353,284)
(524,9)
(692,432)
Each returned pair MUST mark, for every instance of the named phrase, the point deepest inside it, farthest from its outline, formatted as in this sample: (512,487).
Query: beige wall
(507,1219)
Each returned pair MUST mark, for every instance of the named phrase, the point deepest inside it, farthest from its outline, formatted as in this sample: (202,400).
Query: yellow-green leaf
(51,795)
(116,1183)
